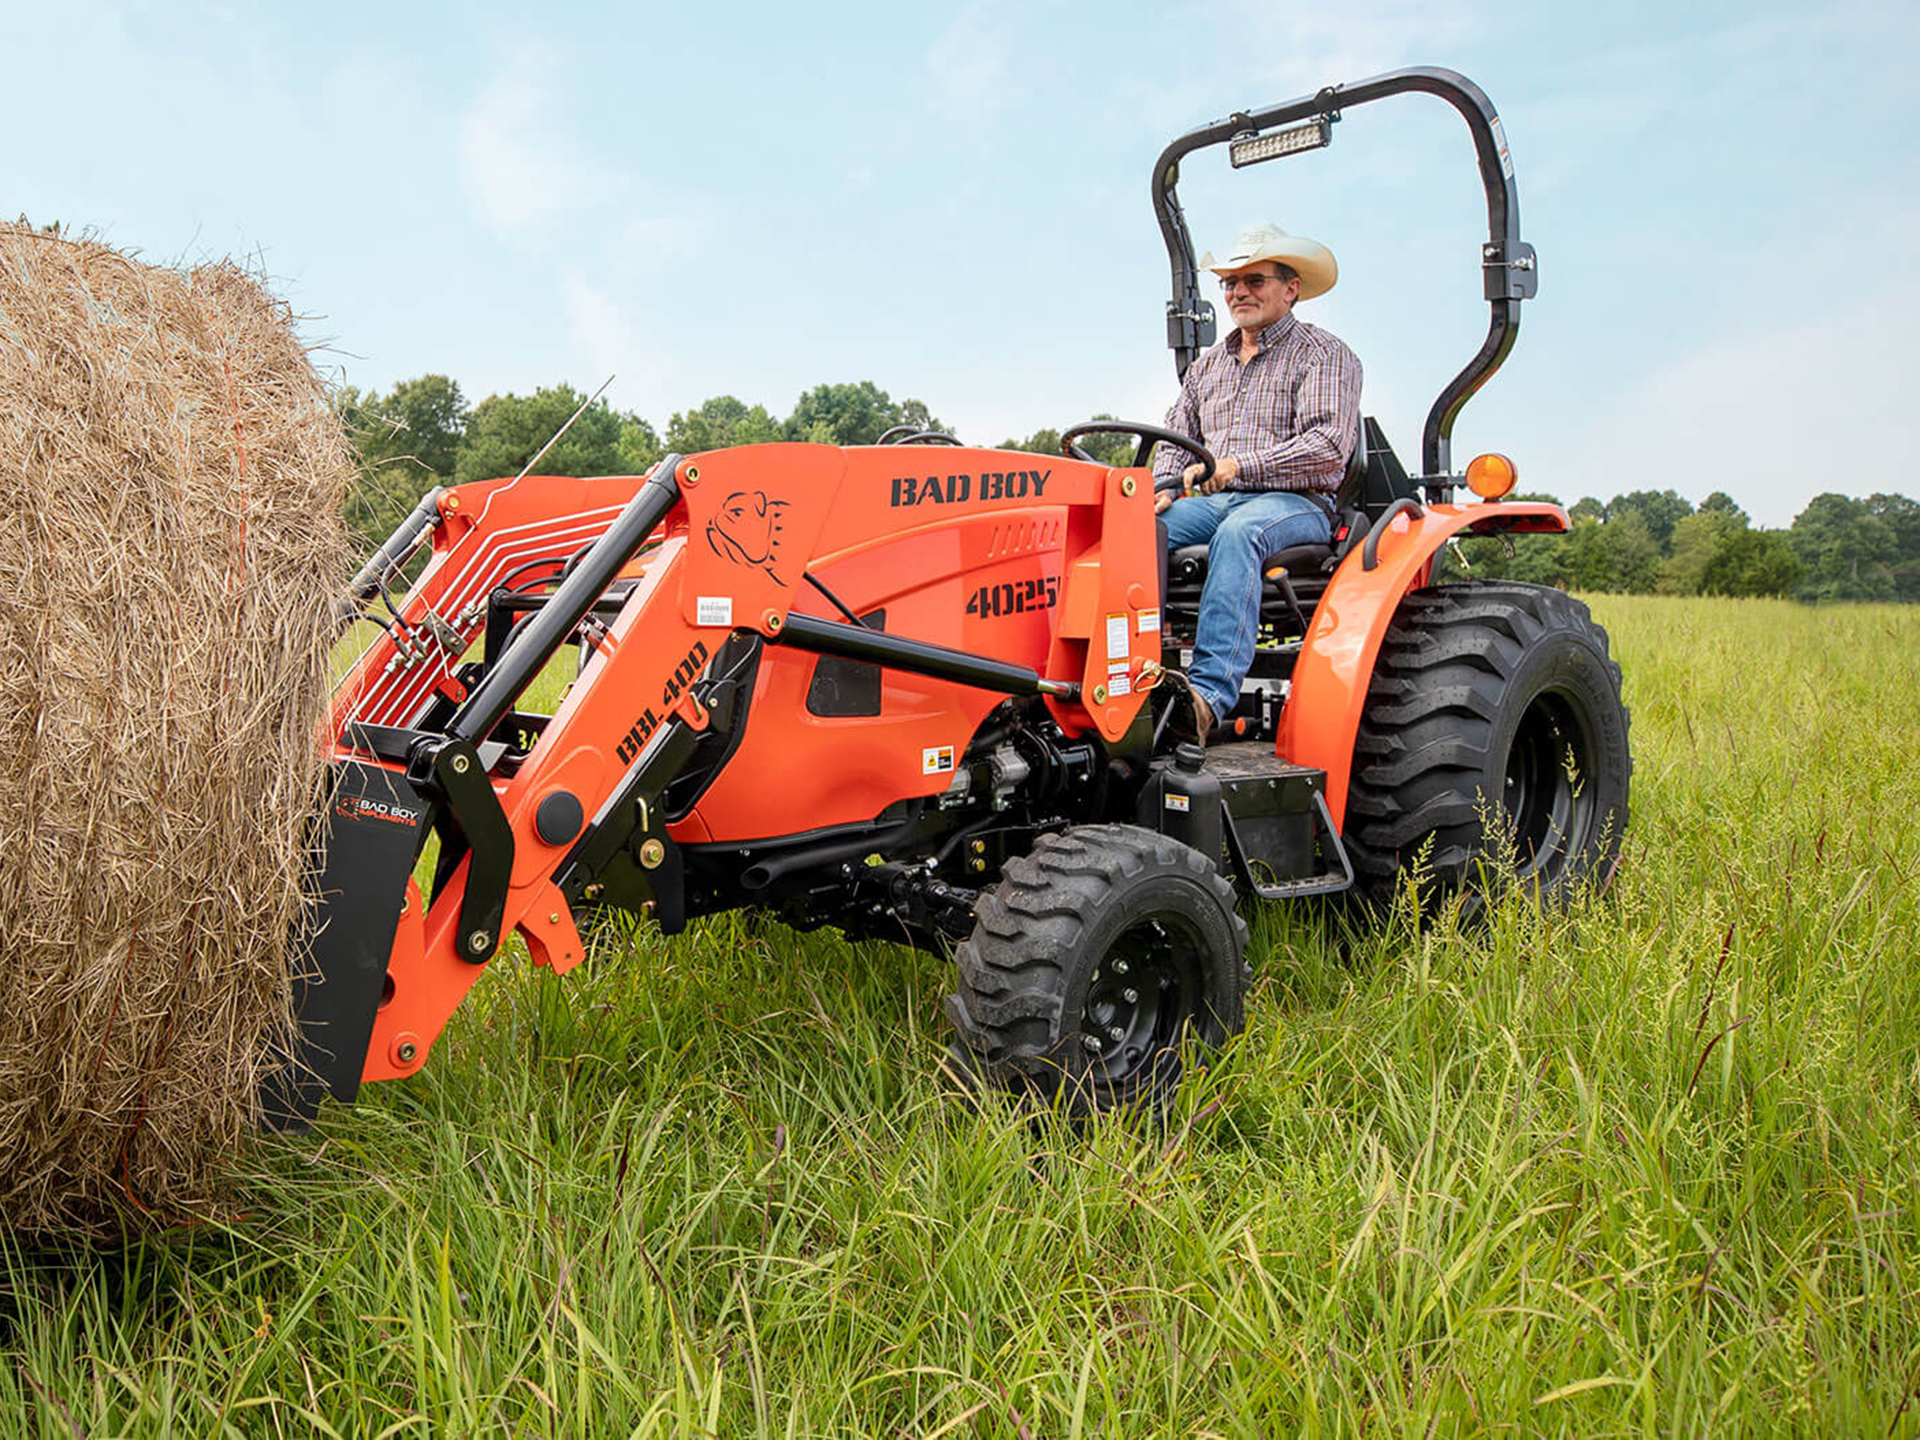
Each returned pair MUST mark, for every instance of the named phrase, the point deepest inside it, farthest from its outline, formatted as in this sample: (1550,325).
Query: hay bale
(170,488)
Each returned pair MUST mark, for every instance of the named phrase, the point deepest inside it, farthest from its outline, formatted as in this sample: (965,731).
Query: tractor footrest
(1276,817)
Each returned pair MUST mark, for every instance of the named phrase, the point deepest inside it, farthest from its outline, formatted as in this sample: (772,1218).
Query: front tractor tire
(1090,963)
(1493,731)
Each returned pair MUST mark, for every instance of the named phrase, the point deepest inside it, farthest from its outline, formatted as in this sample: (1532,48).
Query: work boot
(1192,722)
(1202,719)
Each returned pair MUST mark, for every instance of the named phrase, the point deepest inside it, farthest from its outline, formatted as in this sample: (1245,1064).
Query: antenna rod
(563,429)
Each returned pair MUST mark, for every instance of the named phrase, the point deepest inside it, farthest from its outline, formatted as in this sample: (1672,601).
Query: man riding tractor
(1278,402)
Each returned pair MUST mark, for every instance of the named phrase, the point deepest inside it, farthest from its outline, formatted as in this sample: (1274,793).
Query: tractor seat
(1187,566)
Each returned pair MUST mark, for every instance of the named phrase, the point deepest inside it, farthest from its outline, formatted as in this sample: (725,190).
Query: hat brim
(1309,259)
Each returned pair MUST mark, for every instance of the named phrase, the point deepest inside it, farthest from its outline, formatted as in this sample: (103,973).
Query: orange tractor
(921,691)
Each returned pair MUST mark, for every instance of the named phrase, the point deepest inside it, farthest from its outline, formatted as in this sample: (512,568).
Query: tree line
(423,433)
(1657,542)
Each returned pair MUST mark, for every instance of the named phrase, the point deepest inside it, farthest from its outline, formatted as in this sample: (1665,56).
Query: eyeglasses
(1254,283)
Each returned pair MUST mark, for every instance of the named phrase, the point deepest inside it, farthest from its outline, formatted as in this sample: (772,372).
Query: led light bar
(1252,149)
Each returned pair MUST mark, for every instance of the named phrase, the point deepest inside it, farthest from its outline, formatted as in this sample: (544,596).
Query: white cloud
(969,59)
(603,332)
(1814,392)
(1297,52)
(519,166)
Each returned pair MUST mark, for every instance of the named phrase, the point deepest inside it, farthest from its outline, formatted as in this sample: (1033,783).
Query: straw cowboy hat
(1311,260)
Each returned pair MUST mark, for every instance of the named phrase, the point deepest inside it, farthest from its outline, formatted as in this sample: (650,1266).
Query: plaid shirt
(1289,416)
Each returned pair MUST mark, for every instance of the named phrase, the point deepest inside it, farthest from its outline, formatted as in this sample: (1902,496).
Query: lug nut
(1116,1033)
(1092,1043)
(1130,995)
(1119,967)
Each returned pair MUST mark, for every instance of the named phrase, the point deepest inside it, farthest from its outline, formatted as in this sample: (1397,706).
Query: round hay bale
(171,481)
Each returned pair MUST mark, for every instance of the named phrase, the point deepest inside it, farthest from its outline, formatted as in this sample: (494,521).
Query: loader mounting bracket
(451,770)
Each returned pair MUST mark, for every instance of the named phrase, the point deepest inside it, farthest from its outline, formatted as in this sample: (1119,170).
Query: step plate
(1271,802)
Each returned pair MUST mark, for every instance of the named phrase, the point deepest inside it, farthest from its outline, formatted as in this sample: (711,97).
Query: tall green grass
(1647,1167)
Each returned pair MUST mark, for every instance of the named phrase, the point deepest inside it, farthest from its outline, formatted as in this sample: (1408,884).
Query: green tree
(1848,551)
(1112,450)
(638,446)
(855,413)
(428,417)
(1697,542)
(1721,503)
(1902,516)
(407,440)
(719,422)
(1660,509)
(1616,556)
(1752,562)
(506,431)
(1586,507)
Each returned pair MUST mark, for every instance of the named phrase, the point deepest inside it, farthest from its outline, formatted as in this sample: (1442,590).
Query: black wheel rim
(1145,988)
(1549,765)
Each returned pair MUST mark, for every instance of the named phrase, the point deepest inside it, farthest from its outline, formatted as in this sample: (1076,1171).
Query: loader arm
(676,585)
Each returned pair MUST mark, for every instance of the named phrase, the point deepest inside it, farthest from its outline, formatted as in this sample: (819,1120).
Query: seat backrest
(1348,496)
(1375,478)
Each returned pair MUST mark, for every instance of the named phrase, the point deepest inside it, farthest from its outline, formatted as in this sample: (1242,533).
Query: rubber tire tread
(1442,697)
(1023,972)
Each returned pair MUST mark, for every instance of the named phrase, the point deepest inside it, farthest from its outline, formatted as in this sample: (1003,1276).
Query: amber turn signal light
(1491,476)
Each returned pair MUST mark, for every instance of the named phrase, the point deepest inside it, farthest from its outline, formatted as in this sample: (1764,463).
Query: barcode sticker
(713,610)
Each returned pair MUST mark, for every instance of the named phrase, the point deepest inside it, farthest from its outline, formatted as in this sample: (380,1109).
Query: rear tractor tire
(1493,730)
(1090,963)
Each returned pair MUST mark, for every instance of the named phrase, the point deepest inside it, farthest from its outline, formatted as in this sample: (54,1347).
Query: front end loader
(921,692)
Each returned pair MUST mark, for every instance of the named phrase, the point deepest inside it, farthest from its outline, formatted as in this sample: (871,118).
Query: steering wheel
(1149,436)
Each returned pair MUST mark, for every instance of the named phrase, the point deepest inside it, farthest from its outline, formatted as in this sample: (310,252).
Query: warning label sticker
(1119,683)
(1179,802)
(1149,621)
(1500,144)
(936,760)
(1118,643)
(713,610)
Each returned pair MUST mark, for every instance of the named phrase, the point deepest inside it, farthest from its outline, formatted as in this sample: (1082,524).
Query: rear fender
(1322,715)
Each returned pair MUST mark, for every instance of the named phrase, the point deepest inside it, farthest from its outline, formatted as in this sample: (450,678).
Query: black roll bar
(1507,262)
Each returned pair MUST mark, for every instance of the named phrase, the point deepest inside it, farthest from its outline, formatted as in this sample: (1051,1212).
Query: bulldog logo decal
(747,531)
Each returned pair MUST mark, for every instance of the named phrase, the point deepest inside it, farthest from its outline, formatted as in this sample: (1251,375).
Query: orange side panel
(961,552)
(1322,715)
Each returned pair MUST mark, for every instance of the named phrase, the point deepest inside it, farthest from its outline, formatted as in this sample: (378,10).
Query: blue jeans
(1240,529)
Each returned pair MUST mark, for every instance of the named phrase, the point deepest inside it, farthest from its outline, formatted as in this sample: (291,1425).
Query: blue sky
(952,202)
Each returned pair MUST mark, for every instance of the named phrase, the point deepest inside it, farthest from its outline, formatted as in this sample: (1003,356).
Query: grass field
(1649,1167)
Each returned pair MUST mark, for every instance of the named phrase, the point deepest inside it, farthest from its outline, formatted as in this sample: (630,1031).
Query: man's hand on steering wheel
(1193,483)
